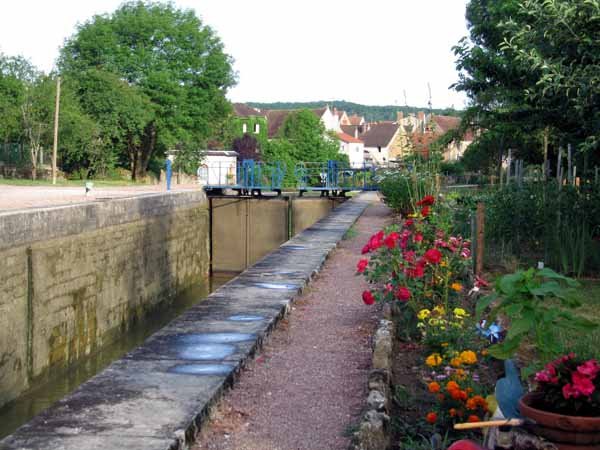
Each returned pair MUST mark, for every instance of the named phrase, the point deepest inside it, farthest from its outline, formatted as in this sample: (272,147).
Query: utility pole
(55,146)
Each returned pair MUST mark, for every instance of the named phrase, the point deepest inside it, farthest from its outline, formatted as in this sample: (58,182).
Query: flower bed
(451,338)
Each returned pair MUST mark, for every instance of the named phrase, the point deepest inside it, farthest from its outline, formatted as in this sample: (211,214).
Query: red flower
(418,237)
(431,417)
(366,249)
(582,384)
(473,418)
(408,222)
(376,240)
(368,298)
(409,256)
(428,200)
(362,265)
(425,211)
(391,239)
(433,256)
(403,294)
(480,282)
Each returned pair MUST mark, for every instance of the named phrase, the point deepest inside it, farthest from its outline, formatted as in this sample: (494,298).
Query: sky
(364,51)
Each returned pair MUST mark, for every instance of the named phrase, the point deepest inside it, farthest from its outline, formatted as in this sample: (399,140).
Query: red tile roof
(347,138)
(243,110)
(275,119)
(355,119)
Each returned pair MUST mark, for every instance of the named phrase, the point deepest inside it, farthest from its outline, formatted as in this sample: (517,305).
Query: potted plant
(565,405)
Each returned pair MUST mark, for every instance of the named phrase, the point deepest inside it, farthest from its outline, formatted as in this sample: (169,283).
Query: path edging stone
(374,431)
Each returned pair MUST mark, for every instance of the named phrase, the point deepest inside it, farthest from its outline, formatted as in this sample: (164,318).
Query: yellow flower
(468,357)
(439,310)
(460,313)
(443,263)
(433,360)
(423,314)
(455,362)
(444,344)
(434,322)
(456,287)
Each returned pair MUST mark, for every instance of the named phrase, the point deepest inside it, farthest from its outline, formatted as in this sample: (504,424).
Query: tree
(15,74)
(529,69)
(169,59)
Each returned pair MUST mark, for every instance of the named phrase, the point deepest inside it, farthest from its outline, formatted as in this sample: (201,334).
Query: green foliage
(301,138)
(370,112)
(539,221)
(525,298)
(402,189)
(174,71)
(528,69)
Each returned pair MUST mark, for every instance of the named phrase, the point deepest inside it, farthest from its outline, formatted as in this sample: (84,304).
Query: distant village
(367,143)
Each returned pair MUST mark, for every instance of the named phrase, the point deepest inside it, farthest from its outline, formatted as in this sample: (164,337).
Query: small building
(354,148)
(218,168)
(378,139)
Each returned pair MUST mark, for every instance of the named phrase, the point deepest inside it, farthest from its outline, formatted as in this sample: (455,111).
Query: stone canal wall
(73,278)
(158,395)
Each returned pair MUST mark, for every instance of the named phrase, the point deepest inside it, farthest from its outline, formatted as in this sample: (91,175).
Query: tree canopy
(530,70)
(154,78)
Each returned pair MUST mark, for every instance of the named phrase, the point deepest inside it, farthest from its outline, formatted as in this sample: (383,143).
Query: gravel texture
(307,388)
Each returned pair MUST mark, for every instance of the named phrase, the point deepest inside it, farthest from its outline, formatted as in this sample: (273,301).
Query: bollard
(168,173)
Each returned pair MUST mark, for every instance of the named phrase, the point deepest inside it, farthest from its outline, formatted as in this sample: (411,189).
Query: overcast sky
(367,51)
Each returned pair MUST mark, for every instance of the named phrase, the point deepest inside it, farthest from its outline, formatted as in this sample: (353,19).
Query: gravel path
(307,388)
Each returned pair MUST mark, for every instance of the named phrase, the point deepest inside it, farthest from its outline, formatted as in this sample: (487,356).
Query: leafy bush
(401,190)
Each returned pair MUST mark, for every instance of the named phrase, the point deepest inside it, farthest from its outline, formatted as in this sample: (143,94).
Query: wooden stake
(55,146)
(480,238)
(546,132)
(569,164)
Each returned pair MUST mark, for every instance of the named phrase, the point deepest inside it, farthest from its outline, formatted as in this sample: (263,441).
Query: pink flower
(389,288)
(409,256)
(568,391)
(362,265)
(403,294)
(466,253)
(589,368)
(368,297)
(391,239)
(433,256)
(418,237)
(582,384)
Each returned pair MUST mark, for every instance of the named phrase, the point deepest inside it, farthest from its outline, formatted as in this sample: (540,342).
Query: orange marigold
(452,386)
(433,387)
(456,362)
(455,394)
(471,404)
(431,417)
(473,418)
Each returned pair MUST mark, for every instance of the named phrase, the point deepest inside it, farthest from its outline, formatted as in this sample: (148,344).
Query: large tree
(517,68)
(168,61)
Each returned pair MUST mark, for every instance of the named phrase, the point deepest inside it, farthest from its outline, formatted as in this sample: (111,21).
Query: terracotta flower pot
(567,432)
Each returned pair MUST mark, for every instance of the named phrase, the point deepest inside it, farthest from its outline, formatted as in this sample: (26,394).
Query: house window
(244,127)
(256,128)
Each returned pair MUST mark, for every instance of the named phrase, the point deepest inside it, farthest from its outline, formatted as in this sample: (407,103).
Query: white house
(378,139)
(218,168)
(354,148)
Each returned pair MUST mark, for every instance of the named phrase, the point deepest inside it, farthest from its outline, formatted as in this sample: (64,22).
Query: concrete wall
(75,277)
(246,229)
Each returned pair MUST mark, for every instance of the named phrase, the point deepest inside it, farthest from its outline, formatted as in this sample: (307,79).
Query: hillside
(370,112)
